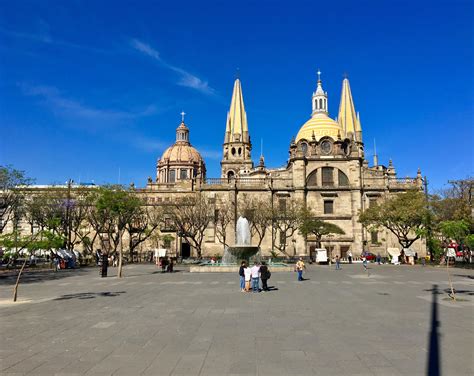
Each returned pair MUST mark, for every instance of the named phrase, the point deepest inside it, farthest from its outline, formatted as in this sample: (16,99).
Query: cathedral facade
(326,171)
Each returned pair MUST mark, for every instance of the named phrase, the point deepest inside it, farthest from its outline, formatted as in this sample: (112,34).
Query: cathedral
(326,170)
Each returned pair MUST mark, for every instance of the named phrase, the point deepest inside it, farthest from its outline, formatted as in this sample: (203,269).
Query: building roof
(321,125)
(237,117)
(347,116)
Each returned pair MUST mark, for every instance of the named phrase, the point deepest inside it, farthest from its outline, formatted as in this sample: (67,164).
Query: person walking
(243,265)
(264,276)
(364,261)
(299,268)
(349,256)
(255,272)
(248,277)
(338,263)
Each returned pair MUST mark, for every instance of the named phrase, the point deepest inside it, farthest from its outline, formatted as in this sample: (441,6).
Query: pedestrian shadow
(464,276)
(273,288)
(90,295)
(434,352)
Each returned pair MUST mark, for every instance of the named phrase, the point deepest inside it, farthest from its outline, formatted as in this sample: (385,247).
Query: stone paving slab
(334,323)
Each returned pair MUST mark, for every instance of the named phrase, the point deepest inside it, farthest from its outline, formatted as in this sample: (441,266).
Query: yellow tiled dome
(322,125)
(181,152)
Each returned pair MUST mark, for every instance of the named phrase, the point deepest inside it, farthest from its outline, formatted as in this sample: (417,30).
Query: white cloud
(62,105)
(186,79)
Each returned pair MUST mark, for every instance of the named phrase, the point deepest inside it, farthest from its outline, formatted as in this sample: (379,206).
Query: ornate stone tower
(347,116)
(237,145)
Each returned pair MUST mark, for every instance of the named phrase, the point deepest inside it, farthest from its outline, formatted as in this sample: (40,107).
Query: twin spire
(236,127)
(347,117)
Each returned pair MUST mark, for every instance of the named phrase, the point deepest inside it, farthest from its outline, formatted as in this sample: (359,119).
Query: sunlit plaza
(393,320)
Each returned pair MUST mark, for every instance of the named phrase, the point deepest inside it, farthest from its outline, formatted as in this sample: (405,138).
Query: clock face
(326,147)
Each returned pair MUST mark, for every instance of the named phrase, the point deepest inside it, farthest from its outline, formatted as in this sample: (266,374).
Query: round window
(326,147)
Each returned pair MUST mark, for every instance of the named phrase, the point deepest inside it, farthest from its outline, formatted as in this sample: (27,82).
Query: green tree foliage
(404,214)
(113,208)
(11,196)
(454,230)
(309,225)
(469,241)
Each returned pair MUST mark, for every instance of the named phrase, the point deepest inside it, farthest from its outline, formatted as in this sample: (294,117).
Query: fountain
(243,250)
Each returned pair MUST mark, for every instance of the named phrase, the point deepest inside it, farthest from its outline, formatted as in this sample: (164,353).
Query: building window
(304,148)
(374,237)
(183,175)
(327,176)
(282,204)
(343,180)
(282,237)
(328,207)
(372,201)
(312,179)
(320,104)
(172,176)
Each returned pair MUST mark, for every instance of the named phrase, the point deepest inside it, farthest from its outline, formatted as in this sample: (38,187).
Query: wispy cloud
(210,154)
(147,144)
(63,105)
(185,78)
(43,35)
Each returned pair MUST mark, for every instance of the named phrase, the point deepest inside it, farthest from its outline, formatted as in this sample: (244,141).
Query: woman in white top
(248,277)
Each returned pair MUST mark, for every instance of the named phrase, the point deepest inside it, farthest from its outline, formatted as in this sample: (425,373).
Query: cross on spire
(319,75)
(182,116)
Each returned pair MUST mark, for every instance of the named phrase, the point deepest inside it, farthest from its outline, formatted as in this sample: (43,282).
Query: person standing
(105,265)
(338,263)
(299,268)
(248,277)
(264,276)
(364,261)
(349,256)
(255,272)
(243,265)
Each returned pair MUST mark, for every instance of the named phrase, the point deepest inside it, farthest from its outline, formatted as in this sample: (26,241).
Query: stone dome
(322,125)
(181,161)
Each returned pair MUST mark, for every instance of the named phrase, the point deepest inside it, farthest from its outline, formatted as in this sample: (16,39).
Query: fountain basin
(234,268)
(243,252)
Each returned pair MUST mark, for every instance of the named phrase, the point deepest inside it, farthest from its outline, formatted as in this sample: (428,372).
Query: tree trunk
(15,289)
(120,262)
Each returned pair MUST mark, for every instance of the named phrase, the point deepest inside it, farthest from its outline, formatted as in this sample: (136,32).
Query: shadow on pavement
(464,276)
(90,295)
(40,275)
(434,354)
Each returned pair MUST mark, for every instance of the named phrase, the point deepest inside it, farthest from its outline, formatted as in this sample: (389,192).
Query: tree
(454,203)
(143,224)
(309,225)
(223,217)
(404,214)
(114,208)
(285,221)
(259,214)
(17,244)
(11,196)
(454,230)
(191,216)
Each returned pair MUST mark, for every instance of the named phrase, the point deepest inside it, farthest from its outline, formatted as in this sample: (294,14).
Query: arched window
(325,103)
(233,151)
(230,175)
(312,181)
(320,104)
(304,148)
(343,180)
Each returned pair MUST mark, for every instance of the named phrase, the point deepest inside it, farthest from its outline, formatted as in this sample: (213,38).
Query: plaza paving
(397,321)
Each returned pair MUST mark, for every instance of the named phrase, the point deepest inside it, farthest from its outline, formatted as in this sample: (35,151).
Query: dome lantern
(320,98)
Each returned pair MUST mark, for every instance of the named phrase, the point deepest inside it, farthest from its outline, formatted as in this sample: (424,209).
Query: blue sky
(92,90)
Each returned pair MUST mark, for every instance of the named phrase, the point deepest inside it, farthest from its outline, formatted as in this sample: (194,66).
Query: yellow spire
(347,117)
(236,127)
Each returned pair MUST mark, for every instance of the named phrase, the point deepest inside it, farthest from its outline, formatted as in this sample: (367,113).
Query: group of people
(250,277)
